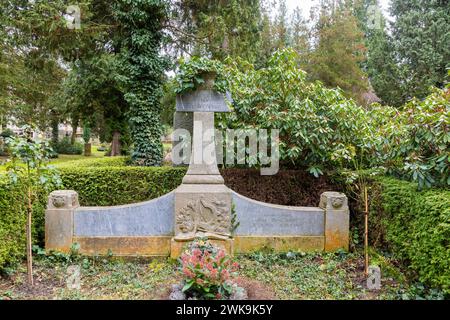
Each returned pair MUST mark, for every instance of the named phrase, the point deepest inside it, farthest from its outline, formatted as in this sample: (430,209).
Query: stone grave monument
(202,202)
(200,207)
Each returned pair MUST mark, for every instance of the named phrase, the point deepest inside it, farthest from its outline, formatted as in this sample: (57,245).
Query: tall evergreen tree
(380,64)
(267,39)
(40,48)
(217,28)
(338,48)
(382,69)
(281,26)
(300,37)
(421,39)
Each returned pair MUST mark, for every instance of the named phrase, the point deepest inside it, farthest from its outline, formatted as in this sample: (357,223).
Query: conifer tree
(421,40)
(338,49)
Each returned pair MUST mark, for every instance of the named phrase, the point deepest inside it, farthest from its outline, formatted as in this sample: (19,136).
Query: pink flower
(208,268)
(221,254)
(184,258)
(188,272)
(225,274)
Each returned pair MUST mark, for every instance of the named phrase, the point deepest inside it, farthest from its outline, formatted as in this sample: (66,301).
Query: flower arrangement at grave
(208,273)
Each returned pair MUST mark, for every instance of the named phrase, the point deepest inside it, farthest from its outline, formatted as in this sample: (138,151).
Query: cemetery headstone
(202,202)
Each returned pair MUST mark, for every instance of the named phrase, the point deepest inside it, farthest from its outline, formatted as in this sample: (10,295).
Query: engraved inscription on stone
(203,101)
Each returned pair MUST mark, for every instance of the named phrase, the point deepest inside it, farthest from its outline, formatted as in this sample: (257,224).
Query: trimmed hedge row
(97,185)
(287,187)
(416,227)
(13,221)
(109,186)
(95,162)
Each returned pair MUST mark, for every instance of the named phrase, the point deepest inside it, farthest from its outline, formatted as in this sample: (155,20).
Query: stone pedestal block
(202,202)
(337,220)
(177,247)
(59,220)
(202,211)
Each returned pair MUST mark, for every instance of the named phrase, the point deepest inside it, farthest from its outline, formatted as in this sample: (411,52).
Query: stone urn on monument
(202,202)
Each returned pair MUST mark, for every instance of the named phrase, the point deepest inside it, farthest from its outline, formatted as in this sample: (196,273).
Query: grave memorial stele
(200,207)
(202,202)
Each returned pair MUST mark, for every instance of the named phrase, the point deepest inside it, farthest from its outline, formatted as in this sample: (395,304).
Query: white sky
(306,5)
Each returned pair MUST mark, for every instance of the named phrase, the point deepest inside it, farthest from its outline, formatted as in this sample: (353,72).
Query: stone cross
(203,202)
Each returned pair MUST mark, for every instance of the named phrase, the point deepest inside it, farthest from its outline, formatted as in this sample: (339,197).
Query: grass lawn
(63,158)
(265,275)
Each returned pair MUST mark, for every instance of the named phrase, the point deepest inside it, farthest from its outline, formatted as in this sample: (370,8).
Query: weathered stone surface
(337,220)
(151,218)
(200,207)
(63,199)
(247,244)
(183,120)
(125,246)
(202,210)
(333,201)
(264,219)
(203,179)
(177,292)
(203,163)
(59,220)
(203,101)
(202,202)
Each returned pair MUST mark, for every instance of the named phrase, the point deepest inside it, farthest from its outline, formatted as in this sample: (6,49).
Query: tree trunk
(366,232)
(2,123)
(87,149)
(55,129)
(74,131)
(115,145)
(29,241)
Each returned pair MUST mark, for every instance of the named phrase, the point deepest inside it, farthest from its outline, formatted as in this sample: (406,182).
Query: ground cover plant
(264,275)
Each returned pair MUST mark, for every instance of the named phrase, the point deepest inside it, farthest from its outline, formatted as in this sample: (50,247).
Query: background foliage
(319,127)
(322,130)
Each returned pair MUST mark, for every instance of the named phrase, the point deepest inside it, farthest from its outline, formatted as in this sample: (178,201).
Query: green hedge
(97,184)
(108,186)
(417,228)
(66,147)
(13,221)
(95,162)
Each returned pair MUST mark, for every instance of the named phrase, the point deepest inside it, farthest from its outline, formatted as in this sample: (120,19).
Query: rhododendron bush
(208,271)
(321,130)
